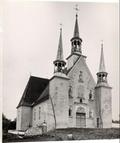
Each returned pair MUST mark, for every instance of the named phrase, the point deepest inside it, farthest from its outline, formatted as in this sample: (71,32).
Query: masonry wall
(79,87)
(24,118)
(39,114)
(59,96)
(103,101)
(19,112)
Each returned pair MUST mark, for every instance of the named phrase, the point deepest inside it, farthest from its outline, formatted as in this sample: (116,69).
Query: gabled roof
(33,90)
(80,58)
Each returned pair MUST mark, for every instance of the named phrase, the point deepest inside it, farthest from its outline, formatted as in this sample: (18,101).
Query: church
(70,98)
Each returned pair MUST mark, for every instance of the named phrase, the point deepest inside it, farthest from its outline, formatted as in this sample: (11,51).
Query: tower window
(98,122)
(74,42)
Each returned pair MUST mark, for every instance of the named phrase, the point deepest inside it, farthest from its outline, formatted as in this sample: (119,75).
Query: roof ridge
(39,77)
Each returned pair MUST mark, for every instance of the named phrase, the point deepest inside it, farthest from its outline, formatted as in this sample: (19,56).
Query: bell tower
(102,74)
(103,96)
(76,40)
(58,89)
(76,44)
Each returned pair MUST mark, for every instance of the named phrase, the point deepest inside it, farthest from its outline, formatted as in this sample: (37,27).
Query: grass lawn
(61,134)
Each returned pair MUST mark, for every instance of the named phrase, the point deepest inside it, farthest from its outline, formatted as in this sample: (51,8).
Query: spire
(59,63)
(60,48)
(102,63)
(102,74)
(76,40)
(76,28)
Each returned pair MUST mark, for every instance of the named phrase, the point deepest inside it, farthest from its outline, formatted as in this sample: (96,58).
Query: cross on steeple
(76,40)
(76,9)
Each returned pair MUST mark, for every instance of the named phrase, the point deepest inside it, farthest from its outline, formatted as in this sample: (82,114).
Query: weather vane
(76,8)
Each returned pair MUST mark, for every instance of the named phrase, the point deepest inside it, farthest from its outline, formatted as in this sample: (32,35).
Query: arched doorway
(80,118)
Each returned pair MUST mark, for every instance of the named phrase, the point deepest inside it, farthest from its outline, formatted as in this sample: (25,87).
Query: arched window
(81,77)
(81,100)
(70,112)
(90,113)
(39,112)
(34,114)
(90,95)
(98,122)
(70,91)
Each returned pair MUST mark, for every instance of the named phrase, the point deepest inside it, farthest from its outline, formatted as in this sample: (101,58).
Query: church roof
(33,91)
(44,96)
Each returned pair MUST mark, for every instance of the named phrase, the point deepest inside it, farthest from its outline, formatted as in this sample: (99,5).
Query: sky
(31,35)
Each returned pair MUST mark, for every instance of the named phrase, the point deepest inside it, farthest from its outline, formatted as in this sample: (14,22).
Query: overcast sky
(31,33)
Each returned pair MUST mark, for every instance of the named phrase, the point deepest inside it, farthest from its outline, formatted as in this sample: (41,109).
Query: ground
(62,134)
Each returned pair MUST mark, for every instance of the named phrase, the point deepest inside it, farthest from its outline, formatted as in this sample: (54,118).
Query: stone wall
(39,114)
(103,101)
(59,95)
(24,118)
(81,82)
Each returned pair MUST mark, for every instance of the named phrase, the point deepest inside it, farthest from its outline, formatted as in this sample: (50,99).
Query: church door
(80,120)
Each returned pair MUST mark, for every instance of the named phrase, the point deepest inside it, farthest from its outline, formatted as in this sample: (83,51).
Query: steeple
(76,28)
(76,40)
(59,63)
(60,48)
(102,74)
(102,63)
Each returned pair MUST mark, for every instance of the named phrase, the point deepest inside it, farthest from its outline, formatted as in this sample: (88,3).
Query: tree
(5,123)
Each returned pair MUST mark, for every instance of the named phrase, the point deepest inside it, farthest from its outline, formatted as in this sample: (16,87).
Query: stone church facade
(71,98)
